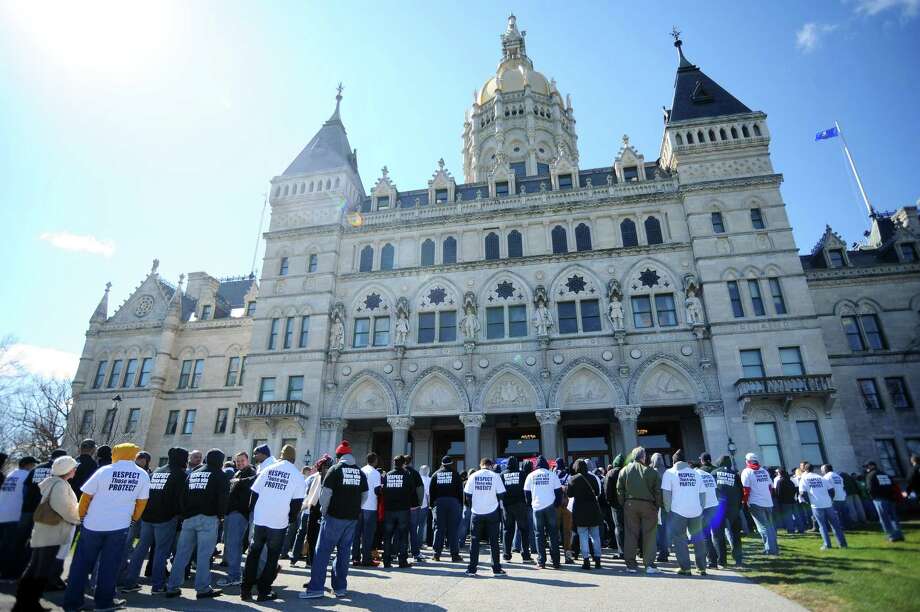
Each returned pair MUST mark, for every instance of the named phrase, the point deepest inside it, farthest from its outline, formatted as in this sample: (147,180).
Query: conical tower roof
(328,150)
(696,95)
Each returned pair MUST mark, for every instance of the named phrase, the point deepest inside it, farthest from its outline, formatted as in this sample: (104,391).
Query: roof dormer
(629,165)
(831,251)
(564,169)
(502,178)
(442,186)
(384,194)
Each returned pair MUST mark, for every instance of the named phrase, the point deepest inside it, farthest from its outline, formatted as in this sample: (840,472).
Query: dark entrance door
(382,444)
(520,442)
(660,437)
(450,443)
(587,443)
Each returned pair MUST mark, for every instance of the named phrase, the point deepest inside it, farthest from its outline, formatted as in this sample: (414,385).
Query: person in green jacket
(639,492)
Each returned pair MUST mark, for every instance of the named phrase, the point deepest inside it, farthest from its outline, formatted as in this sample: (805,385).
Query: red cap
(343,449)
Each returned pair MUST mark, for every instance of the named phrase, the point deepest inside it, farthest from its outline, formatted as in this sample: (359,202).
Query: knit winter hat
(752,458)
(62,465)
(263,450)
(289,453)
(343,449)
(447,460)
(58,452)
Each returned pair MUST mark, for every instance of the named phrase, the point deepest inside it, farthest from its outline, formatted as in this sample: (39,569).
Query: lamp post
(116,400)
(732,449)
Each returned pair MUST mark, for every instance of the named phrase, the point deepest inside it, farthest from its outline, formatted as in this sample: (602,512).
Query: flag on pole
(830,133)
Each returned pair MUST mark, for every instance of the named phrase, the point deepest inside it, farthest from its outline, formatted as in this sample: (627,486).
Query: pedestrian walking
(639,491)
(684,499)
(882,492)
(728,519)
(758,496)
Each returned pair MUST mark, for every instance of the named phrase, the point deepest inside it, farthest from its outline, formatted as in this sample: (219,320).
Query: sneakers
(683,572)
(419,559)
(340,593)
(437,557)
(702,572)
(585,565)
(311,595)
(174,593)
(470,572)
(270,596)
(506,557)
(556,565)
(209,594)
(499,572)
(404,565)
(456,559)
(130,588)
(568,558)
(597,563)
(528,560)
(117,604)
(632,569)
(225,582)
(157,590)
(542,564)
(651,570)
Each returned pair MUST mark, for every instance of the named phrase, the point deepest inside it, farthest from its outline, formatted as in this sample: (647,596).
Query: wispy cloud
(809,36)
(40,361)
(78,243)
(908,8)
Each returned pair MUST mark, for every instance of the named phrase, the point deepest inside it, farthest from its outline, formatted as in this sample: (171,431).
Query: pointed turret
(696,95)
(102,310)
(174,308)
(328,150)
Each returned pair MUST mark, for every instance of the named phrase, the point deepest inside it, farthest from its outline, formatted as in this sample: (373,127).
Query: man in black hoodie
(399,492)
(445,496)
(515,510)
(237,520)
(730,492)
(158,523)
(86,465)
(881,490)
(203,503)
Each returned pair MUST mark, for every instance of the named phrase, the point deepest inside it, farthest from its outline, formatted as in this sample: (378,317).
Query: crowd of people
(113,513)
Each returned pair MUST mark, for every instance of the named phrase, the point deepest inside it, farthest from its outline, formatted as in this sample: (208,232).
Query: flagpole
(862,190)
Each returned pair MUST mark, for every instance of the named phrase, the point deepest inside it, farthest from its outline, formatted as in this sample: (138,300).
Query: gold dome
(514,75)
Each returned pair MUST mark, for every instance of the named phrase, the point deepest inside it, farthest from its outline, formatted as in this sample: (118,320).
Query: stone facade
(538,307)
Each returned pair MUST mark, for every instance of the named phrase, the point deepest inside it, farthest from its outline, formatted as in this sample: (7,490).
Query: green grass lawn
(872,574)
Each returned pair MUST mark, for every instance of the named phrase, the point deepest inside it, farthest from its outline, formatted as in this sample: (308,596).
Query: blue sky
(133,131)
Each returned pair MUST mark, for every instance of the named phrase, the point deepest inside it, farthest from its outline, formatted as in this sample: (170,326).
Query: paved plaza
(435,586)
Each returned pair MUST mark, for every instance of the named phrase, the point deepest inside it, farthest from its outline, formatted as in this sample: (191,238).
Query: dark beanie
(447,460)
(58,452)
(705,458)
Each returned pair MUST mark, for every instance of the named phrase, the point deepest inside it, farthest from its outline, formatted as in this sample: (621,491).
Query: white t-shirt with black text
(115,488)
(685,487)
(709,487)
(835,481)
(277,486)
(542,484)
(373,481)
(11,496)
(758,481)
(484,486)
(817,489)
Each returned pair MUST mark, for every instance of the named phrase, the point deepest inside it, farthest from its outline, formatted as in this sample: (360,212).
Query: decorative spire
(154,267)
(338,102)
(441,163)
(675,33)
(513,41)
(102,310)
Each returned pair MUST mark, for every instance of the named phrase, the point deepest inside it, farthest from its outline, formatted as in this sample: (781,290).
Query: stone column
(401,426)
(627,415)
(712,422)
(549,422)
(330,434)
(472,427)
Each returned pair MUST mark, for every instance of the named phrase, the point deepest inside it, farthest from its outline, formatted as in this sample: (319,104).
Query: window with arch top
(582,237)
(449,250)
(628,233)
(492,246)
(428,252)
(560,240)
(386,256)
(366,263)
(515,244)
(653,231)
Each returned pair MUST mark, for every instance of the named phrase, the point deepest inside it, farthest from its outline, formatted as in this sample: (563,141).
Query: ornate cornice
(548,417)
(400,422)
(733,184)
(628,412)
(472,419)
(842,276)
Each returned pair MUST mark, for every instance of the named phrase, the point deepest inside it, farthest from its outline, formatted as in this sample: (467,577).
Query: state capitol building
(534,306)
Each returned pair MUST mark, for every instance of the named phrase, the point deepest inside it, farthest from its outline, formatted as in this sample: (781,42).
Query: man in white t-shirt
(278,494)
(483,490)
(818,490)
(113,497)
(684,498)
(543,491)
(366,530)
(835,482)
(12,492)
(710,515)
(758,495)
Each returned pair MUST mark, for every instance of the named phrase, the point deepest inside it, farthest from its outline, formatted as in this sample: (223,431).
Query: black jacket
(728,488)
(241,490)
(31,495)
(913,483)
(167,485)
(584,490)
(85,468)
(785,491)
(398,490)
(513,478)
(880,485)
(445,482)
(206,491)
(418,487)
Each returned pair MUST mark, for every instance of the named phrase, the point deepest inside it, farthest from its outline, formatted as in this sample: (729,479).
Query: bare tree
(12,377)
(41,409)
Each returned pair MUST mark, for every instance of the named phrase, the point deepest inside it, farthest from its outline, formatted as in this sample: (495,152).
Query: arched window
(582,237)
(679,139)
(311,187)
(734,132)
(449,250)
(689,137)
(428,253)
(756,130)
(745,132)
(699,136)
(712,135)
(560,240)
(278,191)
(328,184)
(628,233)
(722,134)
(367,259)
(287,189)
(386,257)
(492,246)
(336,182)
(515,244)
(653,231)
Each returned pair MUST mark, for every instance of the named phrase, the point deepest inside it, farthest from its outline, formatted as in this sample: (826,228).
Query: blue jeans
(888,517)
(333,533)
(680,526)
(159,535)
(710,517)
(827,519)
(763,518)
(395,521)
(843,513)
(446,522)
(662,536)
(365,530)
(466,518)
(488,523)
(198,536)
(301,536)
(586,533)
(235,526)
(418,522)
(106,547)
(545,524)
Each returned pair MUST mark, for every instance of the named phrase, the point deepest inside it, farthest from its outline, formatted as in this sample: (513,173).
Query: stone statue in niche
(615,310)
(692,304)
(469,324)
(542,317)
(337,328)
(401,332)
